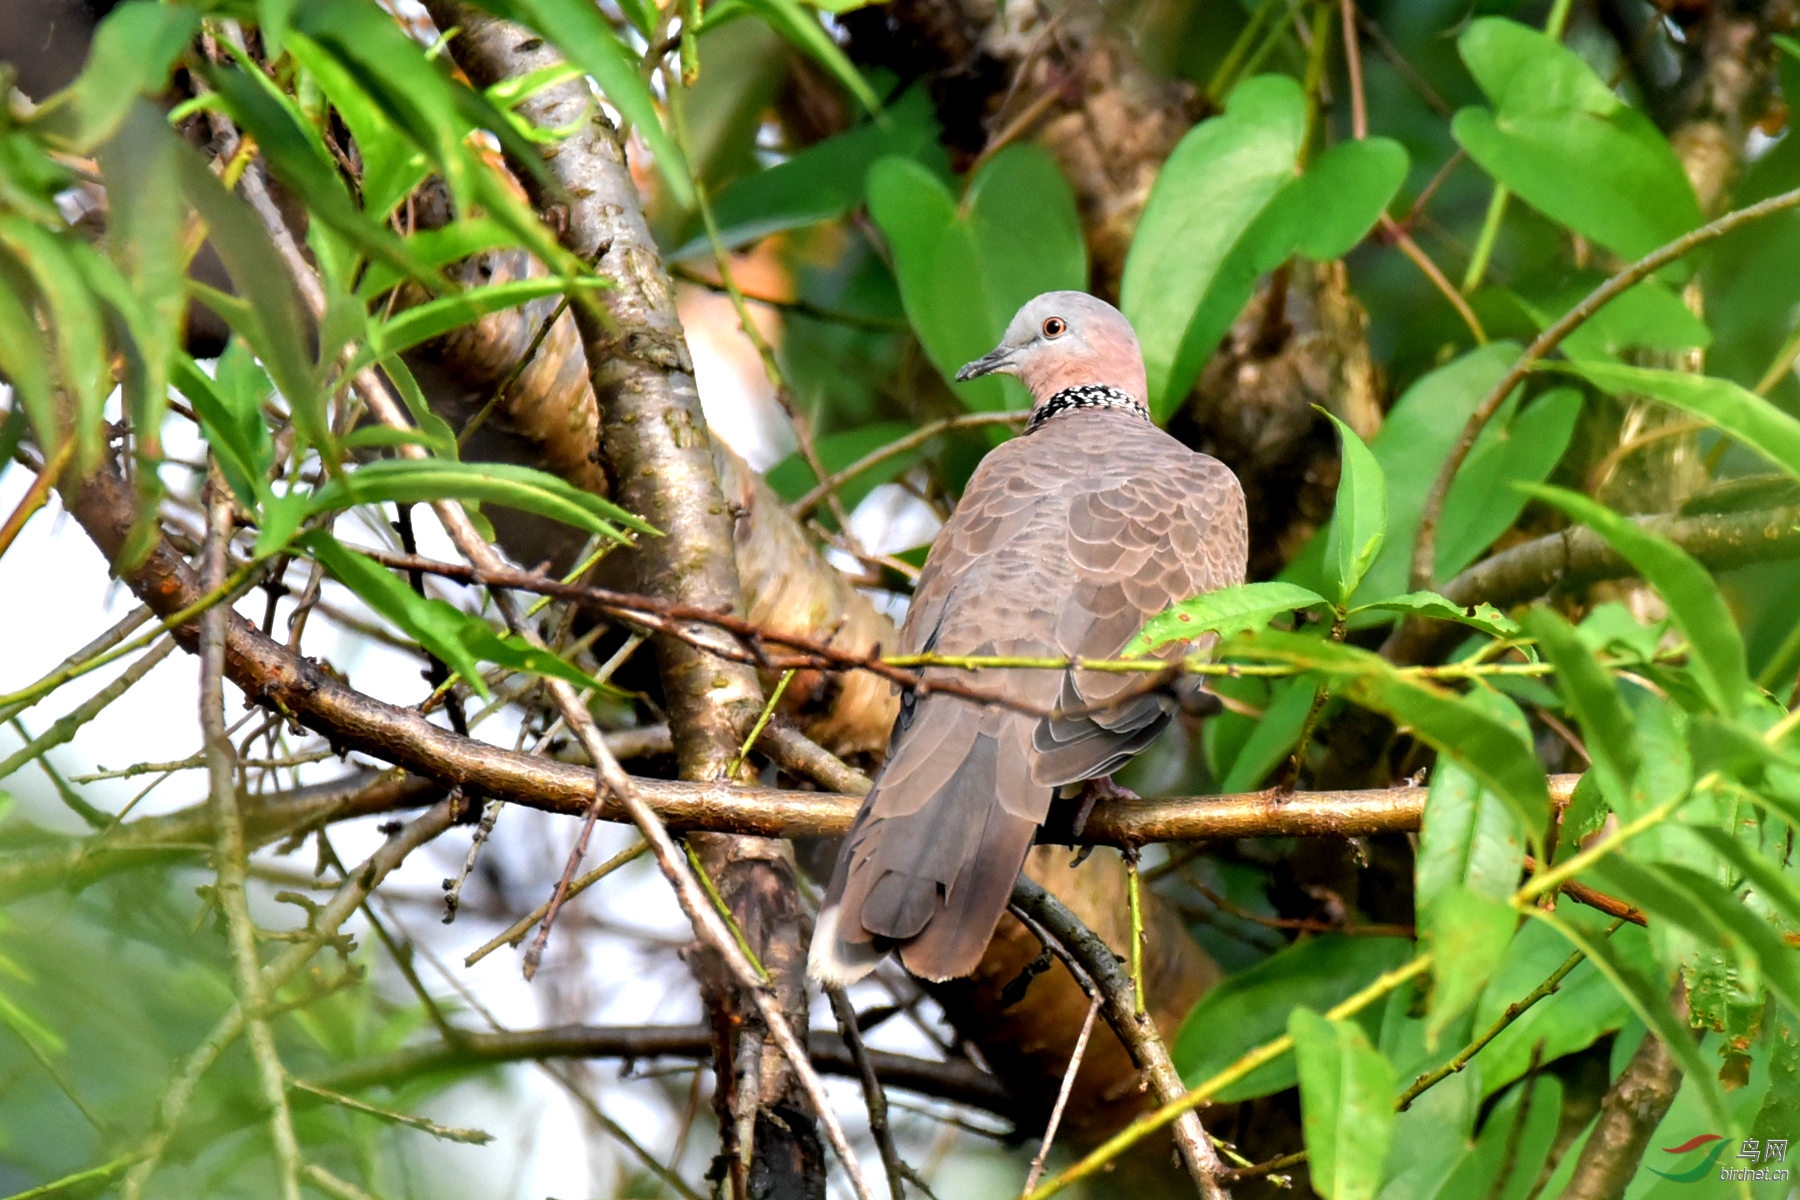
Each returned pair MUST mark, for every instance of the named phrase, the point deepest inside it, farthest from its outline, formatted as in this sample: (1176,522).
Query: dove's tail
(930,863)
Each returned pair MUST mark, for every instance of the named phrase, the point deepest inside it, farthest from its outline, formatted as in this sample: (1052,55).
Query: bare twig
(233,857)
(1137,1032)
(1062,1097)
(1629,1113)
(873,1096)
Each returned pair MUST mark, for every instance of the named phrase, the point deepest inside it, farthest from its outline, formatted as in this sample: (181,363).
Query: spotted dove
(1068,538)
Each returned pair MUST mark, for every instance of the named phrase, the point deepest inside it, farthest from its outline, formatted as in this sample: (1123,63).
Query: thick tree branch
(658,456)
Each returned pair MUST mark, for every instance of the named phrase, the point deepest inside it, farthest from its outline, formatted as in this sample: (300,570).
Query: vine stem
(1424,559)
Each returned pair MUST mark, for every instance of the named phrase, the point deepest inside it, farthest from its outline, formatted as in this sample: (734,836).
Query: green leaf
(266,310)
(826,180)
(1274,735)
(133,50)
(73,316)
(965,268)
(1468,838)
(230,412)
(1695,605)
(1560,138)
(1649,1001)
(1770,882)
(1515,447)
(300,161)
(1731,409)
(1484,616)
(1647,316)
(1414,439)
(459,639)
(1582,1010)
(1469,933)
(1684,897)
(436,248)
(1226,611)
(422,480)
(1490,749)
(1346,1105)
(1252,1008)
(434,624)
(421,322)
(145,239)
(25,357)
(1608,730)
(1359,518)
(1468,863)
(581,32)
(802,29)
(391,164)
(1230,204)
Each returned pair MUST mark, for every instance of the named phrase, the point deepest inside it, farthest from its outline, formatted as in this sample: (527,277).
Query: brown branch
(959,1082)
(1425,546)
(660,463)
(1139,1033)
(1577,555)
(1630,1111)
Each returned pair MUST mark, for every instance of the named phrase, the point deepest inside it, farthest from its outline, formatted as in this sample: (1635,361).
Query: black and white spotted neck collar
(1087,395)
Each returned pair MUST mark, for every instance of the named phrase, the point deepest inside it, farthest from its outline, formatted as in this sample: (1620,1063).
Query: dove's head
(1065,340)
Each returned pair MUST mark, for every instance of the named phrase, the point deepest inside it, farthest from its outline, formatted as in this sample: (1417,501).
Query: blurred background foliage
(1335,245)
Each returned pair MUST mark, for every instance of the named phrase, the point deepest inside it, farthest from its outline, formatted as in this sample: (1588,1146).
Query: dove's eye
(1054,326)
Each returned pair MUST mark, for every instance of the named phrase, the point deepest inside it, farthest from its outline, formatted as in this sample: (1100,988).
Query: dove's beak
(996,361)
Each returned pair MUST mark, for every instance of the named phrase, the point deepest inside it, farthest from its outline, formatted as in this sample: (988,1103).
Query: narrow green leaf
(1274,736)
(1693,598)
(392,165)
(1608,730)
(802,29)
(1414,439)
(1359,519)
(1469,933)
(1518,446)
(420,480)
(434,318)
(25,357)
(1732,409)
(230,412)
(1226,611)
(74,319)
(299,160)
(1485,745)
(582,32)
(1649,1001)
(1770,882)
(1251,1008)
(133,50)
(1346,1105)
(434,624)
(1484,616)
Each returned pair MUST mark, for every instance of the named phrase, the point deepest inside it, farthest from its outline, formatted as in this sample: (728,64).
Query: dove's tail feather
(932,879)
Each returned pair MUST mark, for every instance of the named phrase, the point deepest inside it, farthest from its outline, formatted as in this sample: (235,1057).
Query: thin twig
(516,932)
(1138,1033)
(918,437)
(873,1096)
(1062,1096)
(233,856)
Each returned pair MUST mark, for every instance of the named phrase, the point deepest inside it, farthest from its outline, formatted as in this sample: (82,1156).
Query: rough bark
(1634,1106)
(658,457)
